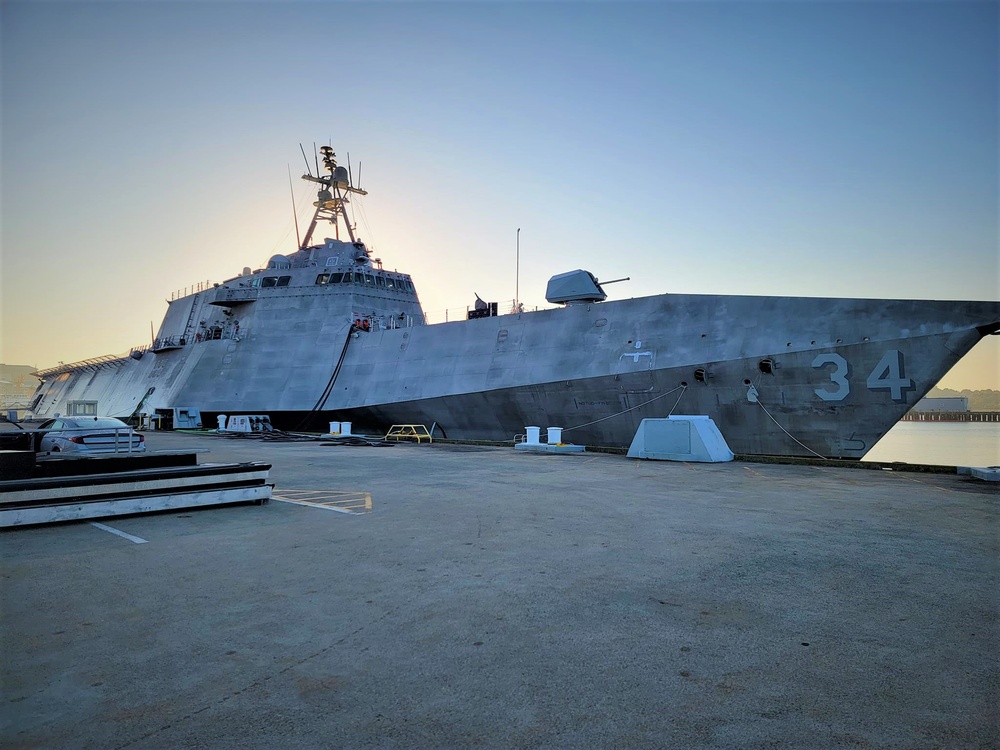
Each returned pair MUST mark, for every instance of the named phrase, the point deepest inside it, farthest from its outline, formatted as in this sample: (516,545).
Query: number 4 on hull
(888,375)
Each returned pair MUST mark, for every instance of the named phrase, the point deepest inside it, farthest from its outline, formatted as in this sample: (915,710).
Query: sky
(841,149)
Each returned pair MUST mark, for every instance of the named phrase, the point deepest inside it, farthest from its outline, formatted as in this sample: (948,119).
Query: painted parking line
(122,534)
(341,501)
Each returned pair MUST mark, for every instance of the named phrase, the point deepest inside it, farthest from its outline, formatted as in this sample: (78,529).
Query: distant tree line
(988,400)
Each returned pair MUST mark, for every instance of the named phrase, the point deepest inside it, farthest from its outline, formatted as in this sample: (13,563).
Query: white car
(89,435)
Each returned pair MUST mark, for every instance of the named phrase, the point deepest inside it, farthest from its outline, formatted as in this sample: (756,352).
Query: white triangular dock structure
(680,438)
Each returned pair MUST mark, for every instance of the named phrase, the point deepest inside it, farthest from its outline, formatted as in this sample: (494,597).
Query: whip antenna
(295,215)
(308,168)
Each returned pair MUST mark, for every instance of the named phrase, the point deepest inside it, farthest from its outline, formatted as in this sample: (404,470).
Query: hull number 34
(887,375)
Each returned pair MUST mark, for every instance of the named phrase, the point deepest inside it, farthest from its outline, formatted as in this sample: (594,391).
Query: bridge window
(336,278)
(347,278)
(369,280)
(81,408)
(380,281)
(323,278)
(283,280)
(269,281)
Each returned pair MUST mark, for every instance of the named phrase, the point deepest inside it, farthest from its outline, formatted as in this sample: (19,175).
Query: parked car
(88,435)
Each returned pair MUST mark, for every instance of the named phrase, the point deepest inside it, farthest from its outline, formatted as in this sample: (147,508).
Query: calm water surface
(942,443)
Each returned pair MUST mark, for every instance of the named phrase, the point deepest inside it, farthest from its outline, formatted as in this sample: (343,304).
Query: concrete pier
(951,416)
(433,596)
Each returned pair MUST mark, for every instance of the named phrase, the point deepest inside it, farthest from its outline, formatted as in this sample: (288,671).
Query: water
(940,443)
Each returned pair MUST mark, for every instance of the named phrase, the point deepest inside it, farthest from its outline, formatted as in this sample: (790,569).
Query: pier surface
(455,596)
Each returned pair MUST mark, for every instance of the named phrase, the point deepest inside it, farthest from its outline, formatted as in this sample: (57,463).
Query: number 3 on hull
(838,377)
(887,375)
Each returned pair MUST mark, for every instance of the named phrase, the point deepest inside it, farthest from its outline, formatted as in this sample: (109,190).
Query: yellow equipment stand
(409,431)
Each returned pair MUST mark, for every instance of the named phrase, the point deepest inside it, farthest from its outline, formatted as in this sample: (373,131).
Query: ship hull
(776,414)
(779,375)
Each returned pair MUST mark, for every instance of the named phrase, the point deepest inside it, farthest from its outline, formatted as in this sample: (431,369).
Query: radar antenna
(331,199)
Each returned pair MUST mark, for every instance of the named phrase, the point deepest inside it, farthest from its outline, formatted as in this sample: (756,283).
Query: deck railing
(200,286)
(952,416)
(95,363)
(451,314)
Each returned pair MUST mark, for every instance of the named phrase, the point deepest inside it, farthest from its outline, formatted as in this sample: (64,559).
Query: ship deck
(462,596)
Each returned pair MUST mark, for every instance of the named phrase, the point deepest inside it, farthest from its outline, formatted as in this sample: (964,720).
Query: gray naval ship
(326,333)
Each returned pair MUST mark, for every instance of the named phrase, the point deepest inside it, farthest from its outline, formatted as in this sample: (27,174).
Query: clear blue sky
(828,149)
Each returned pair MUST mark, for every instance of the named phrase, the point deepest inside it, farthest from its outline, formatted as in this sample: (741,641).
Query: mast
(331,199)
